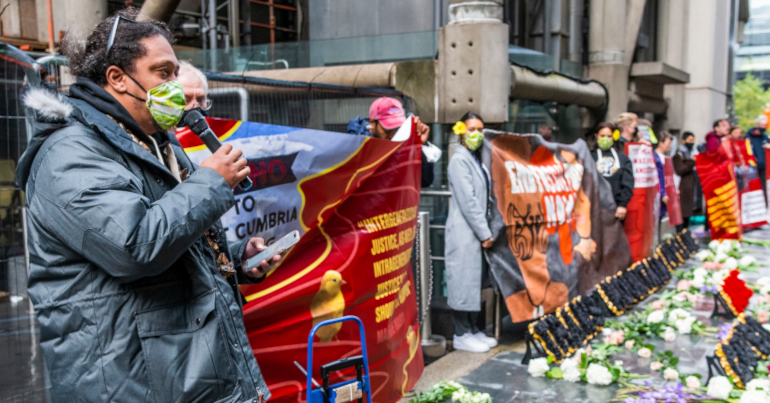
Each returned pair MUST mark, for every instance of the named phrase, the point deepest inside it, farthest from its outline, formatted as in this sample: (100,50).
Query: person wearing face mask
(195,87)
(467,232)
(759,142)
(684,166)
(386,115)
(614,166)
(130,271)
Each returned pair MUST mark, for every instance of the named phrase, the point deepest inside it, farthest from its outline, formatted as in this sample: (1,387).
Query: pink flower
(588,351)
(630,344)
(712,266)
(764,299)
(657,305)
(762,316)
(694,297)
(615,338)
(683,285)
(656,366)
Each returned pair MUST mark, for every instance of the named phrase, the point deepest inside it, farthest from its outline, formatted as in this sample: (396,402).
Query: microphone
(195,120)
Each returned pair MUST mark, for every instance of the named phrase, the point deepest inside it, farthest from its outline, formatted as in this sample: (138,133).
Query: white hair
(761,119)
(186,67)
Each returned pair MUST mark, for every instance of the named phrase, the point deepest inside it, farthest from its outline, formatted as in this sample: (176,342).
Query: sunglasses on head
(114,31)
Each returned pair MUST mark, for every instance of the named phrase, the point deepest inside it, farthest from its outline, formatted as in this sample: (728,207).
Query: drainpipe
(159,10)
(213,33)
(50,27)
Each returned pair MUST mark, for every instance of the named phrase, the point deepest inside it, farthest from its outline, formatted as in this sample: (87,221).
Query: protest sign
(553,220)
(354,200)
(641,218)
(673,206)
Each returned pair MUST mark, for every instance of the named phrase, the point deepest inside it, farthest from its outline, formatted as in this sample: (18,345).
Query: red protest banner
(674,209)
(354,200)
(640,218)
(717,176)
(753,206)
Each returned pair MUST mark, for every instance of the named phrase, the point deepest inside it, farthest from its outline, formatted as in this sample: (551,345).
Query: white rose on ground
(719,387)
(606,331)
(684,326)
(669,335)
(572,375)
(676,314)
(656,366)
(730,263)
(703,255)
(670,374)
(724,247)
(720,257)
(718,276)
(655,317)
(692,382)
(567,364)
(763,281)
(630,344)
(754,396)
(747,261)
(598,375)
(765,290)
(713,244)
(758,384)
(645,352)
(698,281)
(538,367)
(766,326)
(700,272)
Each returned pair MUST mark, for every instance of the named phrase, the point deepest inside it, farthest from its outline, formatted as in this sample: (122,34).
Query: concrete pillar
(76,17)
(673,20)
(607,44)
(706,61)
(473,69)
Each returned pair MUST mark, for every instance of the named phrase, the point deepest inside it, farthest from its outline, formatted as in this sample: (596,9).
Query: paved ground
(501,374)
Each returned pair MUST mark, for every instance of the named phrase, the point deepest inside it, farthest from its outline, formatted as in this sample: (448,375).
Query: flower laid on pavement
(669,335)
(692,382)
(656,317)
(719,387)
(538,367)
(754,396)
(645,352)
(758,384)
(598,375)
(656,366)
(670,374)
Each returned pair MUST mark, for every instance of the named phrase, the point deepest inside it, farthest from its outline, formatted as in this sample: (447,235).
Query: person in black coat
(614,166)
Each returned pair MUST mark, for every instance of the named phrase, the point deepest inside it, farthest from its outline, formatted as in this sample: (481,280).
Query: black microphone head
(195,120)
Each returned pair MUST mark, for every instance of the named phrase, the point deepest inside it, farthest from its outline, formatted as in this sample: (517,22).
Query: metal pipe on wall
(526,84)
(245,16)
(233,22)
(159,10)
(212,8)
(575,29)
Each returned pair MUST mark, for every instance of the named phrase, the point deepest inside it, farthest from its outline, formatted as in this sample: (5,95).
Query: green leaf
(550,359)
(555,373)
(674,361)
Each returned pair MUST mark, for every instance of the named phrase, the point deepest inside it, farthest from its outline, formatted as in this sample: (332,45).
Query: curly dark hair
(90,60)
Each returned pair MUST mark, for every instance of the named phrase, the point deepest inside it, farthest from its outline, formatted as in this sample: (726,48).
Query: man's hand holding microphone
(228,162)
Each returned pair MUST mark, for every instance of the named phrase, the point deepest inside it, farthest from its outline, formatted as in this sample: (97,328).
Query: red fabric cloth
(713,141)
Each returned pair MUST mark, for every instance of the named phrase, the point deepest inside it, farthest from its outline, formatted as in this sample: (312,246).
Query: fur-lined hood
(47,105)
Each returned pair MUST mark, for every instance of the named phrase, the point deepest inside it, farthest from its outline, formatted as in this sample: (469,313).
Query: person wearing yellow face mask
(467,232)
(614,166)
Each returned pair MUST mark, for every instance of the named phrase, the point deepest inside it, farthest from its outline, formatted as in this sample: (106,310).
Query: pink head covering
(388,112)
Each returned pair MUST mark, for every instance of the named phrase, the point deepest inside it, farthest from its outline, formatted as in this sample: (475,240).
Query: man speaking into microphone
(129,267)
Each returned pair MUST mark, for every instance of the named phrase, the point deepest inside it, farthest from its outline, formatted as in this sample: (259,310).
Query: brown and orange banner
(354,200)
(553,220)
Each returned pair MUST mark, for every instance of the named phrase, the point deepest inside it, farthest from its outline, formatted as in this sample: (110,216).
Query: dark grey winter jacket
(131,304)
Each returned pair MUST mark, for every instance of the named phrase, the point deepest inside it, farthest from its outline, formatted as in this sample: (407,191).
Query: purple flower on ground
(724,330)
(709,288)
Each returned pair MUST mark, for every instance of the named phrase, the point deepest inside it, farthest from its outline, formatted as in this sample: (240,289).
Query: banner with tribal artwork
(642,215)
(720,191)
(553,220)
(354,200)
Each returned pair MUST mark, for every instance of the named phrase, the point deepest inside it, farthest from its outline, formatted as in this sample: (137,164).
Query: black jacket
(758,139)
(621,180)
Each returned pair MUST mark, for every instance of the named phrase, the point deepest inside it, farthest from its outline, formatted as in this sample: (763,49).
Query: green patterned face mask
(605,143)
(474,140)
(165,102)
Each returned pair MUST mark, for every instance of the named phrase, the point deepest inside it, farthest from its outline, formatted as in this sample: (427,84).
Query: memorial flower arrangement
(591,365)
(445,390)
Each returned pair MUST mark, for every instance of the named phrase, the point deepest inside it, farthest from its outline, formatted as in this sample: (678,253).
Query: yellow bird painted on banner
(328,303)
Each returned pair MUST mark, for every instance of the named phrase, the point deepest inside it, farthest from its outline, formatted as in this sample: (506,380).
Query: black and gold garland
(739,352)
(561,333)
(626,288)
